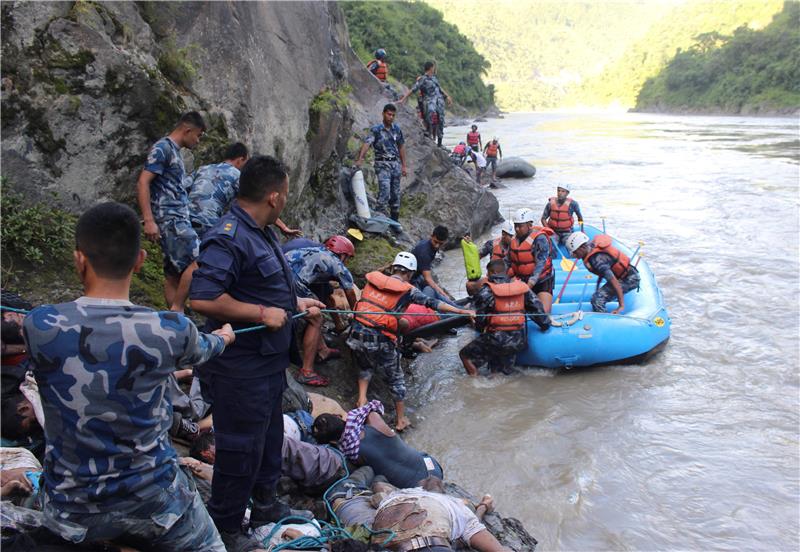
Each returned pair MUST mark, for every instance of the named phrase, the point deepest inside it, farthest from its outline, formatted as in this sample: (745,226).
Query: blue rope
(12,309)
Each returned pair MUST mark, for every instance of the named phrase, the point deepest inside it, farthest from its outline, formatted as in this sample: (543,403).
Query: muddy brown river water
(698,448)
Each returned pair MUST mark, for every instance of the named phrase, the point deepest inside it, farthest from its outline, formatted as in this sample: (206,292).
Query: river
(698,448)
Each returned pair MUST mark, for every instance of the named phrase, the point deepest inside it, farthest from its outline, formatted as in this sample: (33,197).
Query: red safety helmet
(339,245)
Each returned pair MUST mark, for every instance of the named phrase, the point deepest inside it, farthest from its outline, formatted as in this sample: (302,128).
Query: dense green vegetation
(413,33)
(750,70)
(549,54)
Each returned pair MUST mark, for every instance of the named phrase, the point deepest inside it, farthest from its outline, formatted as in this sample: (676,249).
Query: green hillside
(413,33)
(563,54)
(747,71)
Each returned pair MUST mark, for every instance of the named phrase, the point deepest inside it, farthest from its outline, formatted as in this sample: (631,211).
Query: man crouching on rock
(376,325)
(102,364)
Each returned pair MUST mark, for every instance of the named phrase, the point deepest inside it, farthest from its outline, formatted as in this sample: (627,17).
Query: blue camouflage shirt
(212,190)
(317,265)
(429,86)
(385,141)
(102,367)
(168,197)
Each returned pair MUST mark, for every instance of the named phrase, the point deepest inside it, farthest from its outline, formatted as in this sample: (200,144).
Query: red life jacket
(460,149)
(508,298)
(498,251)
(521,254)
(473,138)
(602,244)
(560,220)
(418,321)
(491,149)
(381,71)
(382,293)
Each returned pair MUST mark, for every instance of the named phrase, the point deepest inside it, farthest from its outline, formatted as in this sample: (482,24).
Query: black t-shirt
(425,254)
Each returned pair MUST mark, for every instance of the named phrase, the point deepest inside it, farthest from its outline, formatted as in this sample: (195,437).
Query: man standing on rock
(492,150)
(164,203)
(390,160)
(435,97)
(244,278)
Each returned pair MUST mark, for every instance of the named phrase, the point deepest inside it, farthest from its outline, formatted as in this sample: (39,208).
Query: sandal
(332,354)
(313,379)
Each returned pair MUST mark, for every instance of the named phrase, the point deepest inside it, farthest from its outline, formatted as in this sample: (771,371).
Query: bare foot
(487,501)
(402,424)
(361,402)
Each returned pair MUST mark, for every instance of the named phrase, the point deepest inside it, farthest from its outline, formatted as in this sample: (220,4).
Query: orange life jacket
(560,220)
(473,138)
(491,149)
(422,316)
(460,149)
(498,251)
(382,293)
(508,298)
(381,71)
(523,262)
(602,244)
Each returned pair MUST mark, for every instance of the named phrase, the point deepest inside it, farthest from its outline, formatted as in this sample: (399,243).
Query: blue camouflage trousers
(498,350)
(607,293)
(179,243)
(163,523)
(373,351)
(388,173)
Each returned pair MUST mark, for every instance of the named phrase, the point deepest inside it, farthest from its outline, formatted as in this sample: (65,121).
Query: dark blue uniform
(246,382)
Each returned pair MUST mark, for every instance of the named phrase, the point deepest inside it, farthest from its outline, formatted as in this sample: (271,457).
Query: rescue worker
(474,139)
(164,204)
(425,254)
(459,154)
(531,255)
(390,160)
(434,98)
(314,268)
(491,151)
(502,337)
(102,366)
(244,278)
(373,337)
(479,161)
(378,67)
(606,261)
(559,211)
(496,249)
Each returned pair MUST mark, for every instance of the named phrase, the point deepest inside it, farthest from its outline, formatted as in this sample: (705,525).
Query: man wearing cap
(559,211)
(373,334)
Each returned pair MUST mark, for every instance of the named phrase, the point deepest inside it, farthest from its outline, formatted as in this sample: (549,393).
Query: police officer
(434,98)
(531,255)
(502,337)
(243,278)
(390,160)
(606,261)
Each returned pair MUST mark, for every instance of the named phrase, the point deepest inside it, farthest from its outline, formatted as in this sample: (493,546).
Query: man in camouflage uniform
(390,160)
(498,349)
(314,268)
(213,188)
(434,100)
(164,203)
(102,363)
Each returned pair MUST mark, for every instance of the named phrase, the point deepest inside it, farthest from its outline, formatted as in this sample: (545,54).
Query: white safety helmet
(507,228)
(575,240)
(522,216)
(406,260)
(564,186)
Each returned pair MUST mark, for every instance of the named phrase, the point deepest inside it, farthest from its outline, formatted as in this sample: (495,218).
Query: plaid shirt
(350,442)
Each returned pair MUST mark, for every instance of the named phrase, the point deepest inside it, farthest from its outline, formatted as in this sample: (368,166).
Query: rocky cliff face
(88,86)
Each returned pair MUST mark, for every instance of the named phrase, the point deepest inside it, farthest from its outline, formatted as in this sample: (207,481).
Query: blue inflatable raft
(581,337)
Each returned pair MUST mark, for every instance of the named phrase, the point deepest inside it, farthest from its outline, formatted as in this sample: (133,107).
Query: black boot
(237,541)
(268,509)
(395,215)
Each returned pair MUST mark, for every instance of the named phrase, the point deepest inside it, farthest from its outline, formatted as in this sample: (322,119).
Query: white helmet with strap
(406,260)
(523,215)
(575,240)
(507,228)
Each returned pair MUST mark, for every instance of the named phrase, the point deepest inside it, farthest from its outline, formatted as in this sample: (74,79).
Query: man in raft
(390,161)
(502,337)
(373,337)
(559,211)
(606,261)
(531,254)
